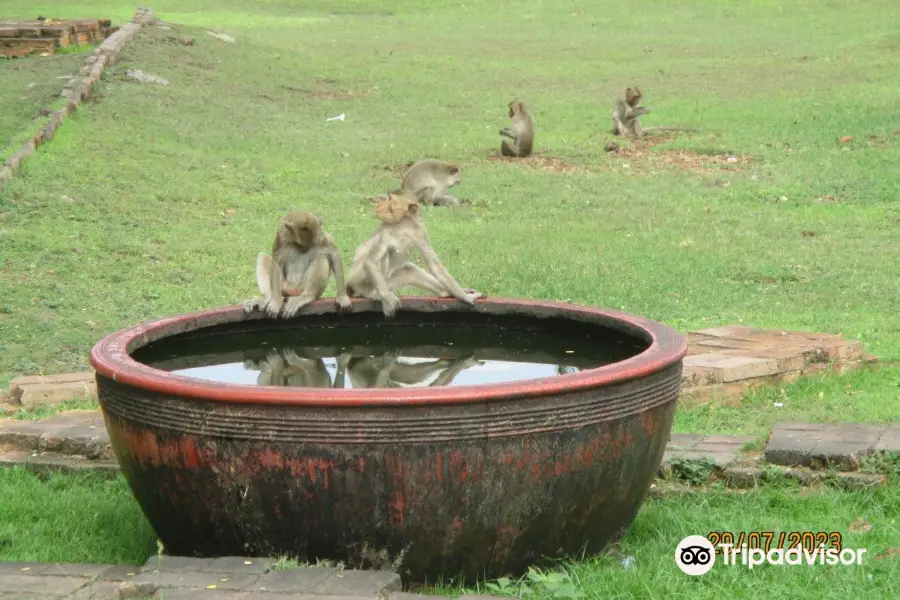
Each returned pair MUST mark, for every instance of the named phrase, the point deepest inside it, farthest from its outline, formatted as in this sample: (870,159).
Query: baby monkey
(382,264)
(626,112)
(303,257)
(518,138)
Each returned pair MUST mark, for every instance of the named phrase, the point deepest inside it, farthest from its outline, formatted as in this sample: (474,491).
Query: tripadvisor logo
(695,555)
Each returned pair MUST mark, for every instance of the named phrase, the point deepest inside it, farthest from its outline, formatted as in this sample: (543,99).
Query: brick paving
(21,38)
(727,361)
(720,449)
(184,578)
(829,445)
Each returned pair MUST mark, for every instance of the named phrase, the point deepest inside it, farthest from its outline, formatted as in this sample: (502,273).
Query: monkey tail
(264,272)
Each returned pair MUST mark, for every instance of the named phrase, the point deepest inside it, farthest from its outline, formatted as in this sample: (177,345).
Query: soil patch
(641,155)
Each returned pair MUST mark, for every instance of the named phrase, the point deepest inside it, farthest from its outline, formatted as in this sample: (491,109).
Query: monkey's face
(515,108)
(304,229)
(633,96)
(454,176)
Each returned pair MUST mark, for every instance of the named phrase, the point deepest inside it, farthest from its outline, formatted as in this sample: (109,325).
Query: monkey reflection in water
(288,368)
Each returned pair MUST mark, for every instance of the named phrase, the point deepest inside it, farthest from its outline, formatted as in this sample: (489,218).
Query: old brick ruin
(21,38)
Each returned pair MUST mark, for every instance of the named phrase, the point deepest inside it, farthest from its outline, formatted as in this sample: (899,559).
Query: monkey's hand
(507,133)
(343,301)
(272,308)
(251,305)
(474,294)
(390,302)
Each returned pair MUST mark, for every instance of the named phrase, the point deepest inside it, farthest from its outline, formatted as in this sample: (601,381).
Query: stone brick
(719,459)
(175,564)
(804,476)
(195,594)
(861,481)
(358,583)
(120,573)
(130,589)
(841,349)
(889,440)
(237,564)
(89,571)
(845,456)
(787,359)
(407,596)
(50,394)
(839,445)
(74,432)
(40,584)
(96,590)
(44,463)
(114,43)
(789,448)
(696,376)
(737,441)
(23,435)
(683,440)
(194,579)
(26,380)
(296,581)
(719,447)
(742,477)
(726,331)
(21,568)
(733,368)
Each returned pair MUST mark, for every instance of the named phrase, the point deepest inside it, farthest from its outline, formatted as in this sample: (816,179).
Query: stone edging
(77,90)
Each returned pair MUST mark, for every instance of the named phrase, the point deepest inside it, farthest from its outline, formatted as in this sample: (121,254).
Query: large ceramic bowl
(473,481)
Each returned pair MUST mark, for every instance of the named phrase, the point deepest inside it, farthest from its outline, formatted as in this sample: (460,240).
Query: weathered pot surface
(472,481)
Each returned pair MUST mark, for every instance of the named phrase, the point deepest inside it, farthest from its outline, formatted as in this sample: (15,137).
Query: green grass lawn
(155,200)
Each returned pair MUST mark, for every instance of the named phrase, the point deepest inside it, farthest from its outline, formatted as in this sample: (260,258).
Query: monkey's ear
(320,220)
(413,209)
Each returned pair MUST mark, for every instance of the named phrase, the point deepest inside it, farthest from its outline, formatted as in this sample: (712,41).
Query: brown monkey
(625,117)
(303,257)
(381,264)
(428,180)
(626,112)
(520,133)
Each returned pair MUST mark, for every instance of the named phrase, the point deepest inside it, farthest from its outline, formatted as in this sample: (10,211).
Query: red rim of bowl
(110,358)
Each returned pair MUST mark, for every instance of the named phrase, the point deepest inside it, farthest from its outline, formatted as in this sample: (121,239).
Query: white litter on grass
(222,36)
(340,117)
(139,75)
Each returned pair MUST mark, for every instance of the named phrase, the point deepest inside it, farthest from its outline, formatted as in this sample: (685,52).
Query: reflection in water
(362,354)
(288,367)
